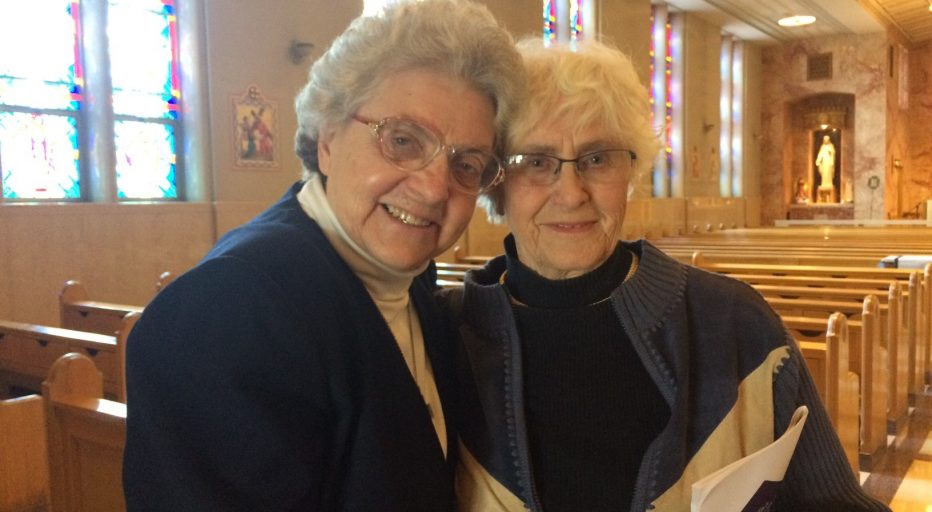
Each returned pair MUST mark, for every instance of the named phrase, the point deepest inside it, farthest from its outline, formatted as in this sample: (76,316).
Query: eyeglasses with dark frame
(410,147)
(606,167)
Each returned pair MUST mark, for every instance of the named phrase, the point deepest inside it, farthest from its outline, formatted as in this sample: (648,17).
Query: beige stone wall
(916,178)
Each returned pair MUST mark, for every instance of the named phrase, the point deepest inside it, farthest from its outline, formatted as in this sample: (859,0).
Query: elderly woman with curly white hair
(602,375)
(300,366)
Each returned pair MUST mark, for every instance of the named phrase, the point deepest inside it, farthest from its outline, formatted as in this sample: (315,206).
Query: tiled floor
(904,478)
(915,492)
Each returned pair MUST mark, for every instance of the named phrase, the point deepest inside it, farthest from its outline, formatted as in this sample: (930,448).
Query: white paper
(751,479)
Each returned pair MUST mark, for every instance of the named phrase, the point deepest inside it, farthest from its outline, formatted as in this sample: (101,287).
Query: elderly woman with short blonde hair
(602,375)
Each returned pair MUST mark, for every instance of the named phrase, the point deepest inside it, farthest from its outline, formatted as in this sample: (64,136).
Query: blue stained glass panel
(142,58)
(145,167)
(37,64)
(38,156)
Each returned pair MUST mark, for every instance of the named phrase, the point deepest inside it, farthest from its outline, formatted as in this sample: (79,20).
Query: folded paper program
(750,484)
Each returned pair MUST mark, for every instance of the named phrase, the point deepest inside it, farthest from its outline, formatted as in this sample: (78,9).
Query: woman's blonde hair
(585,83)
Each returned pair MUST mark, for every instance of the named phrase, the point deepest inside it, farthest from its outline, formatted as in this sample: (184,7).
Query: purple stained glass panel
(38,156)
(145,167)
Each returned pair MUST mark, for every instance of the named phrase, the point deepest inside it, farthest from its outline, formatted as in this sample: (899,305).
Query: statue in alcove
(802,192)
(825,163)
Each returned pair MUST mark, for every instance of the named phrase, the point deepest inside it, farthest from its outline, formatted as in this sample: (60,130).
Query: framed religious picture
(255,130)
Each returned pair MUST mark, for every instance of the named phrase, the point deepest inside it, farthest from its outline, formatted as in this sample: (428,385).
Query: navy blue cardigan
(266,379)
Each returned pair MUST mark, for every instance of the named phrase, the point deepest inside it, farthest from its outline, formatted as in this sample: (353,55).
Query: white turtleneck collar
(388,287)
(389,290)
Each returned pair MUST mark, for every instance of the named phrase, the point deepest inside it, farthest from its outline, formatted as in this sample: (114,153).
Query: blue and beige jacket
(726,367)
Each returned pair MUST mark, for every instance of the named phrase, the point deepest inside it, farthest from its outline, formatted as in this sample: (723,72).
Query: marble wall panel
(917,174)
(858,68)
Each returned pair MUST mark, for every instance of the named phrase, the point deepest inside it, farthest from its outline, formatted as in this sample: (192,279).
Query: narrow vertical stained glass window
(576,20)
(550,20)
(40,99)
(146,96)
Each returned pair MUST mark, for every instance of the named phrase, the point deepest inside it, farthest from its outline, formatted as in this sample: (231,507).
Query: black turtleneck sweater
(592,408)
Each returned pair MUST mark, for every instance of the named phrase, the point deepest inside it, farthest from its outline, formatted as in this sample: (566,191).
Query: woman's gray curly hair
(457,37)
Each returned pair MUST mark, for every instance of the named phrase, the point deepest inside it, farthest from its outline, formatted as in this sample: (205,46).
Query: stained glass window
(40,156)
(43,113)
(40,96)
(566,20)
(550,20)
(145,164)
(576,20)
(144,74)
(664,101)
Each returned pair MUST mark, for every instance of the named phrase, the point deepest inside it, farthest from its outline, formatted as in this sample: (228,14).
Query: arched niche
(813,119)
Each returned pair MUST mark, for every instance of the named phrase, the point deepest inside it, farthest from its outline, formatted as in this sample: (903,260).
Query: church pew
(912,297)
(460,256)
(900,239)
(840,387)
(24,472)
(86,436)
(452,273)
(843,274)
(893,341)
(27,351)
(80,313)
(873,397)
(775,257)
(923,355)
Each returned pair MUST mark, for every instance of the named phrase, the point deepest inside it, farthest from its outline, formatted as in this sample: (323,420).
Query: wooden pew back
(893,341)
(79,312)
(873,363)
(86,436)
(27,352)
(24,472)
(843,388)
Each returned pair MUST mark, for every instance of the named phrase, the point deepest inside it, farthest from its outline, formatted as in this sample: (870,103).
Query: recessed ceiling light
(796,21)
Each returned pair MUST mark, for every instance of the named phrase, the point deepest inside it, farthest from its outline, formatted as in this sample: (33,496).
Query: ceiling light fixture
(796,21)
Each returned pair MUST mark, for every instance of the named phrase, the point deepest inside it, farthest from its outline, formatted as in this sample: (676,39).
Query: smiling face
(570,227)
(404,218)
